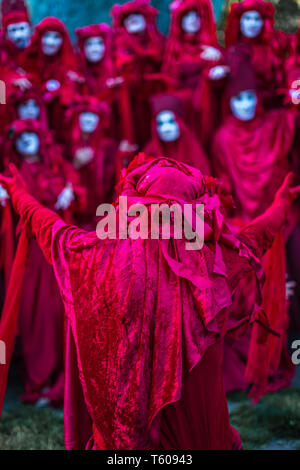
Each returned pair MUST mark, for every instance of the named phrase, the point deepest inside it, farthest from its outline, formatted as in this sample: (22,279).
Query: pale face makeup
(251,24)
(167,126)
(243,105)
(51,42)
(88,122)
(94,49)
(19,34)
(191,22)
(29,109)
(28,144)
(135,23)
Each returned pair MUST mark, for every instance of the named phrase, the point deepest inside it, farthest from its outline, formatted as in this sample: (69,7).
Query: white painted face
(29,110)
(94,49)
(51,42)
(88,122)
(251,24)
(167,126)
(243,105)
(28,144)
(191,22)
(19,34)
(135,23)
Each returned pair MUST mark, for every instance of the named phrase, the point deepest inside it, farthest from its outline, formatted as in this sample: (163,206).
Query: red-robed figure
(171,136)
(54,183)
(16,30)
(138,58)
(250,154)
(145,318)
(193,59)
(92,153)
(51,59)
(251,22)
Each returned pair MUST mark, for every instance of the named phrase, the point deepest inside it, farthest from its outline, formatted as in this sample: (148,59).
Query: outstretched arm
(261,232)
(37,220)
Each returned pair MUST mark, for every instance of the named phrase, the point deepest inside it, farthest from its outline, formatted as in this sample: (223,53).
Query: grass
(25,427)
(275,419)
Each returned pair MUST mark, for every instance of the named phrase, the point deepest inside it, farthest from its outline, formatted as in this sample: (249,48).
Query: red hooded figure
(269,47)
(27,104)
(51,58)
(145,318)
(171,136)
(51,181)
(138,57)
(92,153)
(192,50)
(16,29)
(97,69)
(250,155)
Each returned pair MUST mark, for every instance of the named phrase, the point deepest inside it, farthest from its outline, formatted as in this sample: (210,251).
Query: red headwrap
(233,29)
(96,74)
(14,11)
(242,75)
(21,96)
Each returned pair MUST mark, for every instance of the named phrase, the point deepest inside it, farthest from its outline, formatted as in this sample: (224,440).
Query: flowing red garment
(251,158)
(59,69)
(146,318)
(98,176)
(186,149)
(41,313)
(269,50)
(183,61)
(138,59)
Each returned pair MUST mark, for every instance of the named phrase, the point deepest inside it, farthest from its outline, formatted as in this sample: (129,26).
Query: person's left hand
(210,53)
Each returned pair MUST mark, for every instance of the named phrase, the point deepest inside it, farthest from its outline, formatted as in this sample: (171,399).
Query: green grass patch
(25,427)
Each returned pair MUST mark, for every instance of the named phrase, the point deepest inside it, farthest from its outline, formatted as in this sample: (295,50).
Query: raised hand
(287,191)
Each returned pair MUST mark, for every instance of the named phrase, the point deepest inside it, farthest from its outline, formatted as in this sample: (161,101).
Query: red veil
(187,149)
(96,74)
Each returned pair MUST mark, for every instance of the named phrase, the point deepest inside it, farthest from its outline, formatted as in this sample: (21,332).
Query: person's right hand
(13,182)
(287,191)
(83,156)
(4,196)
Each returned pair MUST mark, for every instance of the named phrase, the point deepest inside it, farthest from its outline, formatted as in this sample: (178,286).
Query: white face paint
(243,105)
(29,110)
(135,23)
(167,126)
(28,144)
(51,42)
(251,24)
(191,22)
(19,34)
(94,49)
(88,122)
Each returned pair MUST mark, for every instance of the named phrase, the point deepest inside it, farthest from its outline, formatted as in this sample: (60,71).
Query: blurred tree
(81,12)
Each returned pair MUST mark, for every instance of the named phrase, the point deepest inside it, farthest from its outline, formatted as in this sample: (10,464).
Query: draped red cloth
(269,50)
(251,158)
(137,342)
(183,62)
(40,321)
(187,148)
(99,175)
(138,58)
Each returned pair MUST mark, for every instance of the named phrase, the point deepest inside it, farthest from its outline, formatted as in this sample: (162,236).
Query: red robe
(251,158)
(138,59)
(146,319)
(41,312)
(268,51)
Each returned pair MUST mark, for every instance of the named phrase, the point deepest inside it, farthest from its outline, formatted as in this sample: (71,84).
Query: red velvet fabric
(136,340)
